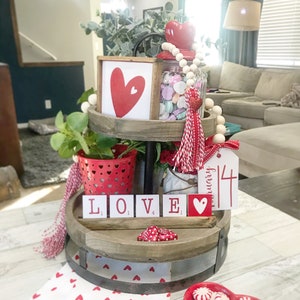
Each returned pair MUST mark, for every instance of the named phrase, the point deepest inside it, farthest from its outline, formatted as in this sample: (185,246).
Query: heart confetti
(156,234)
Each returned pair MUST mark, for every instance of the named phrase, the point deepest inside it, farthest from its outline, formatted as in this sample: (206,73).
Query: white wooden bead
(175,51)
(209,103)
(92,99)
(196,61)
(190,75)
(183,63)
(220,128)
(194,67)
(220,120)
(190,82)
(217,110)
(85,106)
(179,56)
(218,138)
(186,69)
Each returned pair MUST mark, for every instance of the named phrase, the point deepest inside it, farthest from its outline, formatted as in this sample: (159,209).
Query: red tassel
(54,237)
(189,157)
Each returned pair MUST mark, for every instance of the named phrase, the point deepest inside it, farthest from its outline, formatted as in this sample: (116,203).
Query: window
(206,16)
(279,34)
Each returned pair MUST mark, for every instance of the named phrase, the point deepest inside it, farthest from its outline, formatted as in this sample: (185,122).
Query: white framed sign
(129,87)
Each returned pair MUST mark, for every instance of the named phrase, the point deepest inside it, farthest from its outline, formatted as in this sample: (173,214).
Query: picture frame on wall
(146,14)
(129,87)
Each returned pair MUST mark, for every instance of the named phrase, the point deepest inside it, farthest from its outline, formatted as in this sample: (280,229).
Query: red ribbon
(211,149)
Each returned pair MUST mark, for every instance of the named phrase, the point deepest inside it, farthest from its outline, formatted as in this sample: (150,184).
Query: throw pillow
(292,99)
(235,77)
(274,84)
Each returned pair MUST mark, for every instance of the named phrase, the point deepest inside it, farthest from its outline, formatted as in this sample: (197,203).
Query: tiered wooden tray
(202,242)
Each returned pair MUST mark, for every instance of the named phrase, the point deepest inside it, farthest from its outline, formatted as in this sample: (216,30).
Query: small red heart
(79,297)
(107,298)
(152,269)
(106,266)
(195,103)
(58,275)
(162,280)
(168,295)
(97,288)
(116,292)
(114,277)
(72,280)
(35,296)
(76,257)
(125,96)
(53,289)
(136,277)
(128,268)
(180,35)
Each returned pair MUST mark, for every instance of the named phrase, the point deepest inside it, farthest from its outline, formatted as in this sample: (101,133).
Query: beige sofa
(251,97)
(256,99)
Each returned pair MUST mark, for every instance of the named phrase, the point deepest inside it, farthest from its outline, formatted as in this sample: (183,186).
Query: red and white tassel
(54,237)
(189,157)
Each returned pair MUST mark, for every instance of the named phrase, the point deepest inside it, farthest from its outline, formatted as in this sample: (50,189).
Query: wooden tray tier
(122,244)
(146,130)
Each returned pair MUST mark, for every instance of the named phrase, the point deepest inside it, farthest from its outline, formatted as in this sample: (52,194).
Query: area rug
(42,164)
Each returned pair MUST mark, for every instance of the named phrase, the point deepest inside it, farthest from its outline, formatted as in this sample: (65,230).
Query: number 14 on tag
(219,177)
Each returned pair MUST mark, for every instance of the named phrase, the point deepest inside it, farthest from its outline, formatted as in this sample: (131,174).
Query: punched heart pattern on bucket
(125,96)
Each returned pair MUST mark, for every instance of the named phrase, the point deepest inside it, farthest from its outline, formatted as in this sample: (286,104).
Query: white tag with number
(219,177)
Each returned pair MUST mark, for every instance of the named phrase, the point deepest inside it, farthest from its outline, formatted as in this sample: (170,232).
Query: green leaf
(85,95)
(57,140)
(59,121)
(65,151)
(104,141)
(77,121)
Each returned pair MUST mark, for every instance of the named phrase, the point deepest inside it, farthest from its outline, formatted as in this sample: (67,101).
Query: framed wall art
(129,87)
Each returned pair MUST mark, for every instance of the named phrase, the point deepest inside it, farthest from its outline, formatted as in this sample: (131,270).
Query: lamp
(242,15)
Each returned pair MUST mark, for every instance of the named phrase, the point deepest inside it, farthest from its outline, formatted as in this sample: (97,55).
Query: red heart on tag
(125,96)
(180,35)
(96,288)
(114,277)
(137,277)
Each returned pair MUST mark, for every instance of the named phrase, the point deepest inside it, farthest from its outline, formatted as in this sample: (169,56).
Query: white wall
(55,25)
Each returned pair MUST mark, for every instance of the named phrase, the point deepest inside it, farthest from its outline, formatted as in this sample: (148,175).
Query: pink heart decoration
(180,35)
(125,96)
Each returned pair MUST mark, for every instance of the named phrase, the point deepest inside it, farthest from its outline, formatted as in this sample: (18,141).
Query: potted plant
(107,164)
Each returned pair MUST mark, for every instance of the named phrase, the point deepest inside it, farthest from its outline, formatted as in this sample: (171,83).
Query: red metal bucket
(108,176)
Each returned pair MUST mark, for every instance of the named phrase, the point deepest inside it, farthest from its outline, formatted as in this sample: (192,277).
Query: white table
(263,254)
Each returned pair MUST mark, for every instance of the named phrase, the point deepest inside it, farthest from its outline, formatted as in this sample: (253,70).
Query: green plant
(120,32)
(74,135)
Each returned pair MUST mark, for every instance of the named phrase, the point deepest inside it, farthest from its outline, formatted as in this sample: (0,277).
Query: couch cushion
(248,107)
(274,84)
(239,78)
(270,148)
(281,115)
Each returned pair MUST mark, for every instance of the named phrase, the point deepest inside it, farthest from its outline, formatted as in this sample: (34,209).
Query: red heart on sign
(125,96)
(180,35)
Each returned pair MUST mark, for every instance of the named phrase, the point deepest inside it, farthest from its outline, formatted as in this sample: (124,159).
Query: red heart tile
(136,277)
(127,268)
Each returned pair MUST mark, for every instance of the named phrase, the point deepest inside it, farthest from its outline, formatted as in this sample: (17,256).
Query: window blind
(279,34)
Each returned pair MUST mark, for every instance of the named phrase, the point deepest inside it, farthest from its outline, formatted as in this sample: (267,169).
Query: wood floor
(279,189)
